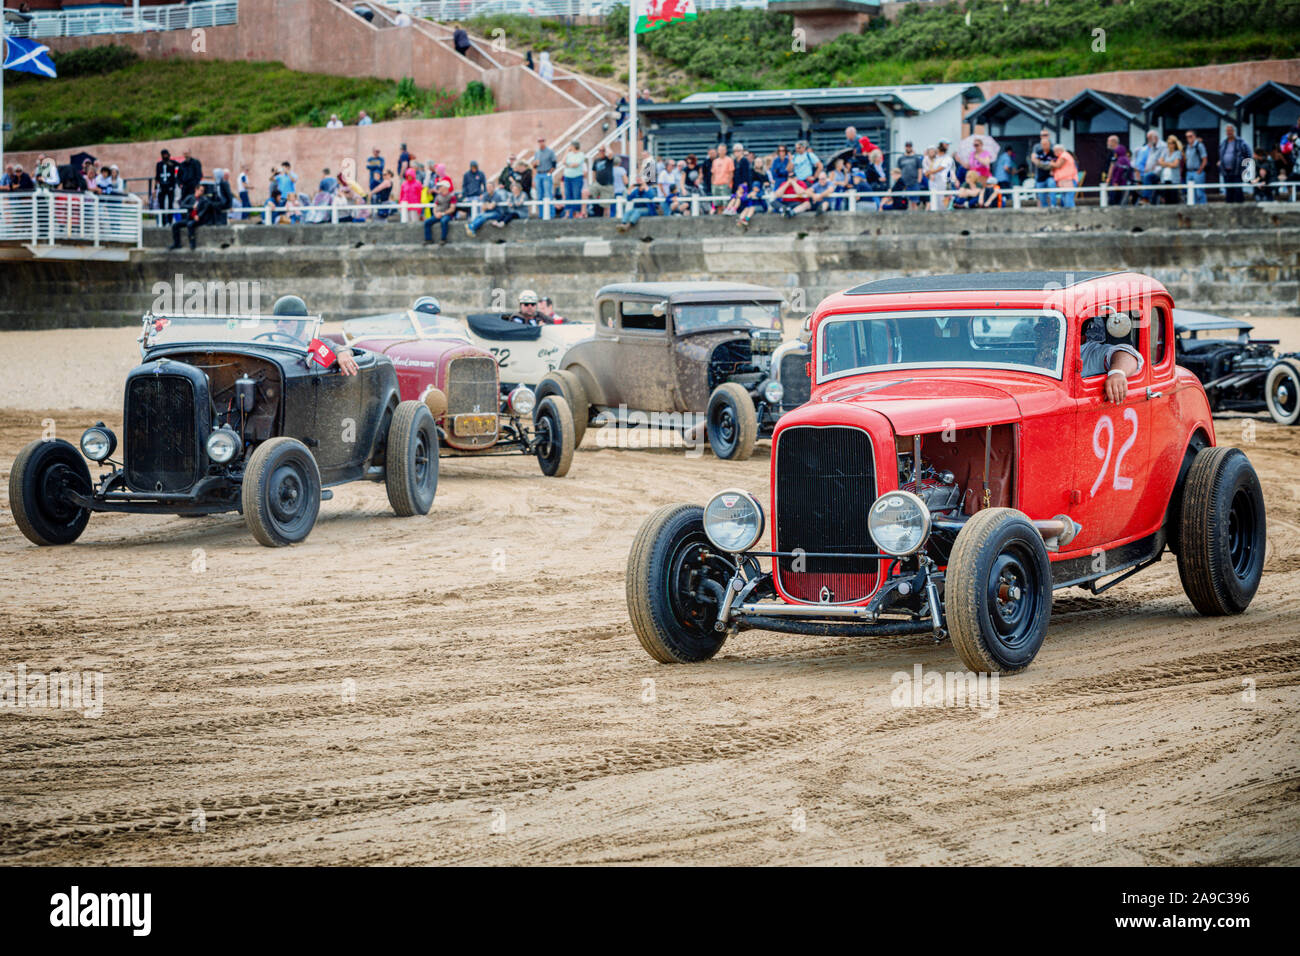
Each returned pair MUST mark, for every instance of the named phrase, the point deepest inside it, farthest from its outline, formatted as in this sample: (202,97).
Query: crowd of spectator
(725,181)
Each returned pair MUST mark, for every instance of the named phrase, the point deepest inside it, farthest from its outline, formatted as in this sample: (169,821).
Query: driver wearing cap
(527,314)
(289,312)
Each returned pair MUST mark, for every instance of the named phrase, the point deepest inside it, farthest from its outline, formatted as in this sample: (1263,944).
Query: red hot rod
(972,444)
(460,383)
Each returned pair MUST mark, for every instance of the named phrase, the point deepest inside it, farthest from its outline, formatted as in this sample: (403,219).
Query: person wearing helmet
(290,311)
(1104,351)
(527,314)
(427,304)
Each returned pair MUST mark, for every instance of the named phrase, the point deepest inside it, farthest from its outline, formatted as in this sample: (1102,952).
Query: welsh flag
(653,14)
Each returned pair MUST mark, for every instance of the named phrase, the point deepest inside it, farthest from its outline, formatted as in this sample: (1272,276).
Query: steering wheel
(271,337)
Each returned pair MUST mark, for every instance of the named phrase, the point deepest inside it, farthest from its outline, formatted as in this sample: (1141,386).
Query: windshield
(1024,340)
(403,325)
(288,330)
(693,316)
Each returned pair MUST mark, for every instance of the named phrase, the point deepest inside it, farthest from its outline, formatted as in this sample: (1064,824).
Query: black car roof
(1187,320)
(978,282)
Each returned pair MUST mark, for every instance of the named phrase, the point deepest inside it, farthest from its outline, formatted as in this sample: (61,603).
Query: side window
(640,317)
(1159,334)
(607,313)
(1095,336)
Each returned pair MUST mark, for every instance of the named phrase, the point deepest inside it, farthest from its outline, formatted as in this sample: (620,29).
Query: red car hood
(918,405)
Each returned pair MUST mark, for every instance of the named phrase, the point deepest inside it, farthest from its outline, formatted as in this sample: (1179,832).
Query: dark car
(1239,373)
(247,413)
(671,351)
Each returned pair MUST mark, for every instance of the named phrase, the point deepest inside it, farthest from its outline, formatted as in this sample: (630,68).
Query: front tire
(41,472)
(569,387)
(672,625)
(411,460)
(1222,532)
(1282,392)
(555,436)
(281,492)
(998,592)
(732,422)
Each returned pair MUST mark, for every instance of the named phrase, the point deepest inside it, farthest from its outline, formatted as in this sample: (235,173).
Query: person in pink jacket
(410,193)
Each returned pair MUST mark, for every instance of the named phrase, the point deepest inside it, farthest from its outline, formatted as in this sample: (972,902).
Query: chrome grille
(161,447)
(473,389)
(825,484)
(794,378)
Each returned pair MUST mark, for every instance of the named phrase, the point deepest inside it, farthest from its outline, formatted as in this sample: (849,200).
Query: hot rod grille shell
(794,378)
(473,389)
(162,448)
(825,484)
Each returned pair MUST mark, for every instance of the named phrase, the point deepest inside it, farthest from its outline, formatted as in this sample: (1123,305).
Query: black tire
(1222,532)
(555,434)
(732,422)
(569,387)
(1282,392)
(673,627)
(998,592)
(281,492)
(411,460)
(41,470)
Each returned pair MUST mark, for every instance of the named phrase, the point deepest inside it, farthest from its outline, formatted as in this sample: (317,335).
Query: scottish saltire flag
(653,14)
(28,56)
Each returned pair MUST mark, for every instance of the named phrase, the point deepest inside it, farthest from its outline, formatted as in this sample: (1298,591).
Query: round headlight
(733,520)
(521,400)
(98,443)
(899,523)
(774,392)
(223,445)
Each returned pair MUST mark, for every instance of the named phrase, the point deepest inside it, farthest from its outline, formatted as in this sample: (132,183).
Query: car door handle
(1151,393)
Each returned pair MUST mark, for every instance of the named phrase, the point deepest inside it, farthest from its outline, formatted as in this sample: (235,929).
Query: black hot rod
(247,413)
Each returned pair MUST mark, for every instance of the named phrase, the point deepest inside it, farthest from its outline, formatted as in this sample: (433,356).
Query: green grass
(754,49)
(129,100)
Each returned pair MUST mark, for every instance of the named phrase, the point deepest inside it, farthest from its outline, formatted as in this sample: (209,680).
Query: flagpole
(633,139)
(4,55)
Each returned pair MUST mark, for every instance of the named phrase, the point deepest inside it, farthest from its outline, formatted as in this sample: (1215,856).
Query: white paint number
(1105,424)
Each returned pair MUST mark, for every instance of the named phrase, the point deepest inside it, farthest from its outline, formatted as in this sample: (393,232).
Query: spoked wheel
(1282,392)
(1223,532)
(732,422)
(672,609)
(38,482)
(555,437)
(998,591)
(281,492)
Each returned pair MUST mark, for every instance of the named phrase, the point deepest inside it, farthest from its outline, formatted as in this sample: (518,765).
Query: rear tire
(732,422)
(281,492)
(554,423)
(671,625)
(41,470)
(568,387)
(1222,532)
(1282,392)
(998,592)
(411,460)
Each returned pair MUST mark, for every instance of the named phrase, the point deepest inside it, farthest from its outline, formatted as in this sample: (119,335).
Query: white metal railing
(47,218)
(697,204)
(75,23)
